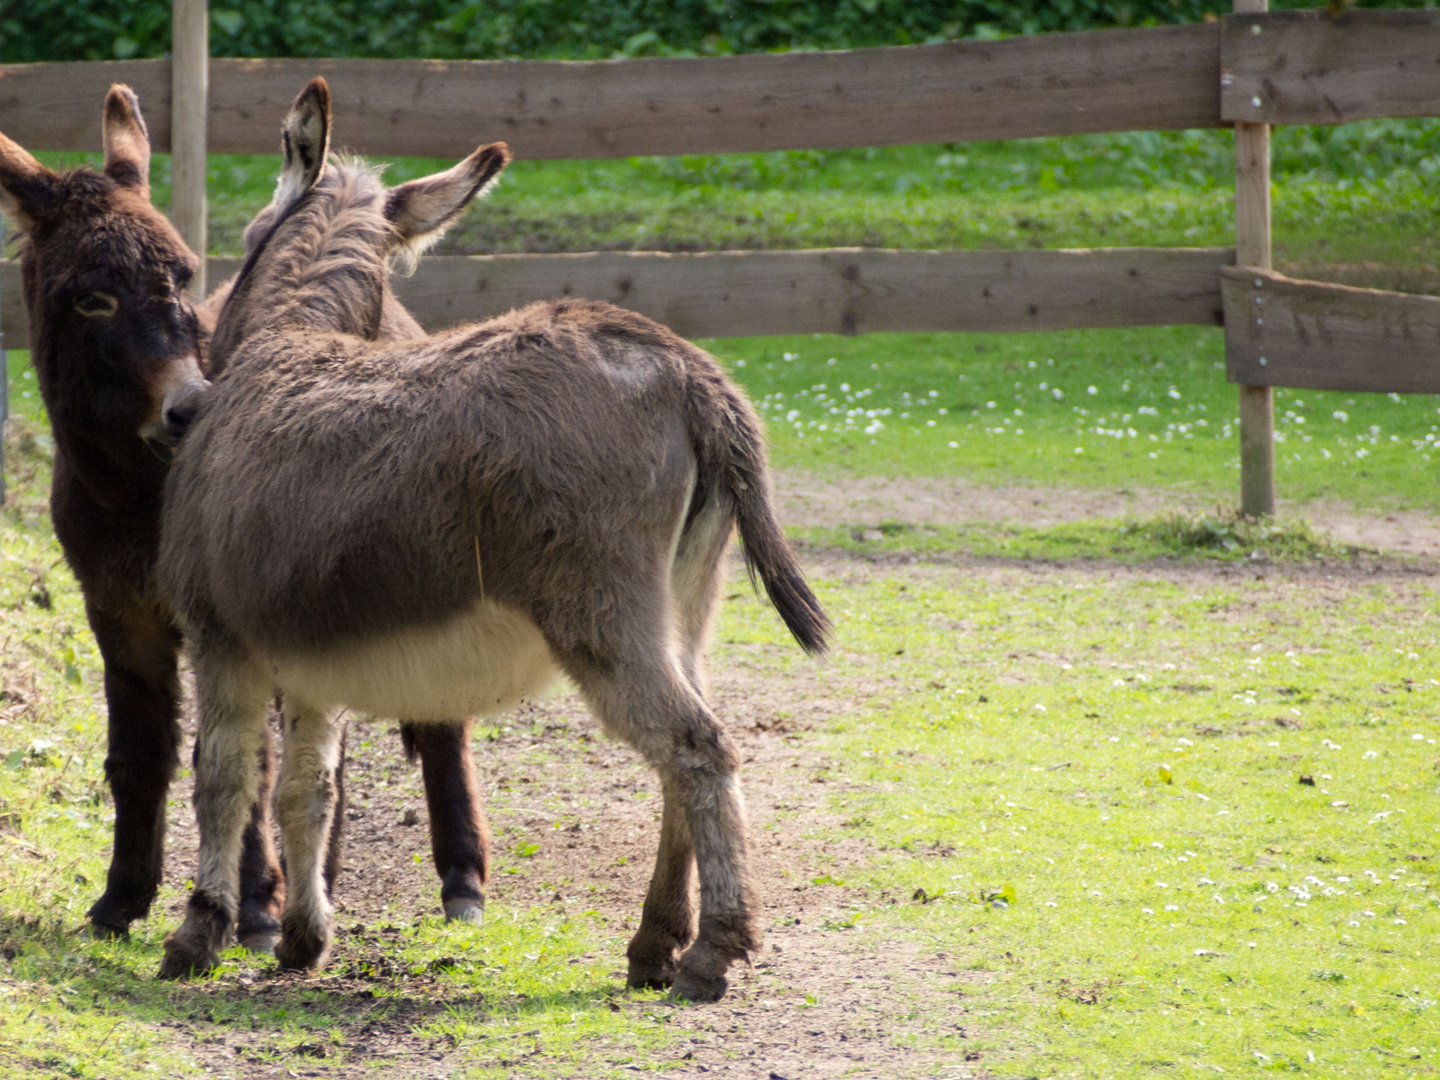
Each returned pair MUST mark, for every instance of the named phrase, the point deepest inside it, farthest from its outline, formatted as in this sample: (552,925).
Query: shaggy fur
(439,527)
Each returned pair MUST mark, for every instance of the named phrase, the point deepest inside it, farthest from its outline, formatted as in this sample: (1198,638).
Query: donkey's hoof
(260,940)
(647,974)
(183,960)
(302,952)
(699,988)
(110,918)
(465,909)
(99,931)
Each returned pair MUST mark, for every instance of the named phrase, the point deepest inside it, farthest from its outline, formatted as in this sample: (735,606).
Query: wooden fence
(1252,69)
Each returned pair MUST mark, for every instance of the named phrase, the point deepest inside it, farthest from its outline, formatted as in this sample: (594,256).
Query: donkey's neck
(324,267)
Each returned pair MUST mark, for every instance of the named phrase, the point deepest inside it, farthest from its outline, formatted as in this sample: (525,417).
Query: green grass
(1118,760)
(1099,408)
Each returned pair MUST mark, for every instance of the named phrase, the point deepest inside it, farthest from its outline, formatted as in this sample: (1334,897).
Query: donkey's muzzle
(178,411)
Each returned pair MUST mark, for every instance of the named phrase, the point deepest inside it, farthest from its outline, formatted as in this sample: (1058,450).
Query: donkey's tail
(730,447)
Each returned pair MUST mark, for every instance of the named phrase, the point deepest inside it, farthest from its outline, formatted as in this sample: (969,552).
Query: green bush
(453,29)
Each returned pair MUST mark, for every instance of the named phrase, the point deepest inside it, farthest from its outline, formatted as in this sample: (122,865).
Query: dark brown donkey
(111,333)
(437,528)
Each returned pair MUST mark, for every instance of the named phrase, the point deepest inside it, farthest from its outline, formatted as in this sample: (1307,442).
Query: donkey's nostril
(178,418)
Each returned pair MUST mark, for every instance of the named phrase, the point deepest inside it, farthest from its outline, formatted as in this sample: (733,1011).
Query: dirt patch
(810,499)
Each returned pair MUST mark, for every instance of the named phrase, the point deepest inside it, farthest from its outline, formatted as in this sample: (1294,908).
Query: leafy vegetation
(571,29)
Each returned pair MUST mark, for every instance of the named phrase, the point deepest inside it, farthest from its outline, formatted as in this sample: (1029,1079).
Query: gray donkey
(437,528)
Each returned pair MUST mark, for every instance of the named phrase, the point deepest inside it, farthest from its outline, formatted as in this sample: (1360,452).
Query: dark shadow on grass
(356,992)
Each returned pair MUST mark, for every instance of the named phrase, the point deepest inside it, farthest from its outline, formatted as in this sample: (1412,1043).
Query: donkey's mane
(322,263)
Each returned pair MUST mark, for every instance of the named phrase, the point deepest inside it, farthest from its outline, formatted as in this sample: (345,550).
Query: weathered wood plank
(1311,67)
(843,290)
(57,106)
(838,291)
(1049,84)
(1054,84)
(1308,335)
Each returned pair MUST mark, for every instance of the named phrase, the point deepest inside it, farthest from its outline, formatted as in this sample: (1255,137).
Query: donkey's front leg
(229,742)
(142,692)
(262,882)
(459,837)
(305,802)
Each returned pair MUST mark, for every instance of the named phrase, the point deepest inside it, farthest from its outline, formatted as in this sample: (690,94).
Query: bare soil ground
(553,779)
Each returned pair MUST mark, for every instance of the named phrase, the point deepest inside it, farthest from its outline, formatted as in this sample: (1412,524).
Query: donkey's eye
(97,305)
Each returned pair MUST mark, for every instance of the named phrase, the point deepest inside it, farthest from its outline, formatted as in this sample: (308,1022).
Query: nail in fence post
(189,105)
(1252,248)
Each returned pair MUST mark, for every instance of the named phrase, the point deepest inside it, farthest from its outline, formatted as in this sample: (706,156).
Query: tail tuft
(730,447)
(793,599)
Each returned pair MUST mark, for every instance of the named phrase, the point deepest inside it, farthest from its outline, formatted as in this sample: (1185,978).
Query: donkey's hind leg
(695,578)
(646,700)
(667,921)
(227,781)
(459,837)
(305,801)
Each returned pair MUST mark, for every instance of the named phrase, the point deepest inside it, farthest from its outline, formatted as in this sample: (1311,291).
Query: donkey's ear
(421,210)
(127,141)
(305,142)
(27,188)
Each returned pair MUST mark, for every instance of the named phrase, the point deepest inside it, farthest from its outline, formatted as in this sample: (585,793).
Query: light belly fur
(484,661)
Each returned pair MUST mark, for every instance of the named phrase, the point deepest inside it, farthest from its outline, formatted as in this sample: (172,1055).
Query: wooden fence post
(1252,248)
(4,386)
(189,106)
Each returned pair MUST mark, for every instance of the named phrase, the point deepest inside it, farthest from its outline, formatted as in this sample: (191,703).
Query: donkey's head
(111,330)
(318,257)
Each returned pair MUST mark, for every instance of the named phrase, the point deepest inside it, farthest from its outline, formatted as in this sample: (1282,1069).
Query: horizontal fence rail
(834,291)
(1050,84)
(1311,67)
(1308,335)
